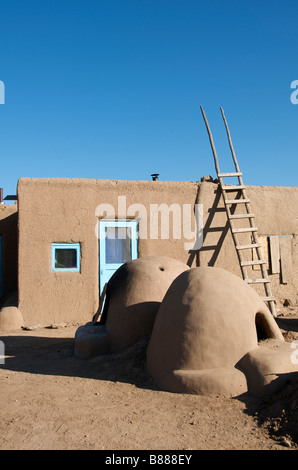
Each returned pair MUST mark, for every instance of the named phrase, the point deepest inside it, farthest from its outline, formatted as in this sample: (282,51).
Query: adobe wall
(276,214)
(65,210)
(275,210)
(9,233)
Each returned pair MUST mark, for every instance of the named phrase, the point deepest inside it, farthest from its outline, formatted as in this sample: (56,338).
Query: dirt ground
(50,400)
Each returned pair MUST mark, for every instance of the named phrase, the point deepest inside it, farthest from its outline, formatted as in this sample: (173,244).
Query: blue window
(66,257)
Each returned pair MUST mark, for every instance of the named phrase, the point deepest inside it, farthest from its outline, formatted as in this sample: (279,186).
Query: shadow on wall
(9,233)
(212,225)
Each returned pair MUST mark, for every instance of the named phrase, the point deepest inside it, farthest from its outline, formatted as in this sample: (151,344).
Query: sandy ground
(50,399)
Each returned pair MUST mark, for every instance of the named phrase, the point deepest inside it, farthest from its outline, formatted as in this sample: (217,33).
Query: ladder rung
(240,230)
(236,201)
(246,247)
(227,187)
(256,281)
(252,263)
(241,216)
(237,173)
(268,299)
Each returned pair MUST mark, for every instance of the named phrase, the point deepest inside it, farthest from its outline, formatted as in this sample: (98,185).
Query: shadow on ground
(55,356)
(44,355)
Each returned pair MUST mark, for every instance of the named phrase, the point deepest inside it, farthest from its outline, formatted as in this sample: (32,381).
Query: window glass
(65,257)
(118,244)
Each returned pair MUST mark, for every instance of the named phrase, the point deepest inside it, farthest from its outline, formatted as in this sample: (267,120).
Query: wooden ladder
(231,204)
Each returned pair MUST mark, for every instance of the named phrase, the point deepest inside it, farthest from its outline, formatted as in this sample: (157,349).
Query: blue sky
(112,89)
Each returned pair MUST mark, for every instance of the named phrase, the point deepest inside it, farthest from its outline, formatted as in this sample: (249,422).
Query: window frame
(1,267)
(115,223)
(67,246)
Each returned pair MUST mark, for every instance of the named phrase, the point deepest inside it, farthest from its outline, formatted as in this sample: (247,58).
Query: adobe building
(64,238)
(8,249)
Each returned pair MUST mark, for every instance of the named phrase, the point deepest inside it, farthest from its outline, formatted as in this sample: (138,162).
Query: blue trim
(66,246)
(0,266)
(106,270)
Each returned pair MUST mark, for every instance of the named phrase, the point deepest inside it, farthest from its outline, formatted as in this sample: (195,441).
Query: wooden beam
(285,247)
(102,297)
(274,254)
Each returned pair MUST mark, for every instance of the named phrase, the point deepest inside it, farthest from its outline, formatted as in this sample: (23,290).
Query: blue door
(0,266)
(118,243)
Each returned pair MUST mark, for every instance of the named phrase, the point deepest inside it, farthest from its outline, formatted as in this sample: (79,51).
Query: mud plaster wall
(64,210)
(275,210)
(9,234)
(277,214)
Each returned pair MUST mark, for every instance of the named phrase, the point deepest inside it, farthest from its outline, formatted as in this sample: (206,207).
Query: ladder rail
(254,233)
(235,161)
(228,210)
(232,203)
(211,142)
(230,141)
(235,239)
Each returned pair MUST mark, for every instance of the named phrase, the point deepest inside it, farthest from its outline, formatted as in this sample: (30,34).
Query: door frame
(102,225)
(0,266)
